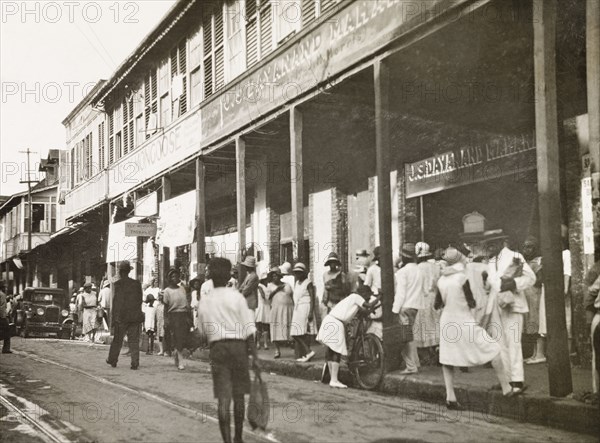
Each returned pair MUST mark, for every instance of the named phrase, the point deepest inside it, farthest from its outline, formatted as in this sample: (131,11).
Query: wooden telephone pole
(30,206)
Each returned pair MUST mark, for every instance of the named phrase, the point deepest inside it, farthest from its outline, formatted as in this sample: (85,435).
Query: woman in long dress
(178,314)
(463,342)
(303,321)
(280,295)
(263,314)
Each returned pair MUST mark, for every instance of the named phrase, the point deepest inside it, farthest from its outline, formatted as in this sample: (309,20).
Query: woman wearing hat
(335,282)
(408,300)
(178,310)
(463,342)
(281,298)
(303,320)
(249,287)
(263,313)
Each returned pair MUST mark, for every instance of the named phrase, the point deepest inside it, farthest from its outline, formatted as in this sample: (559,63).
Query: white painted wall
(395,214)
(322,236)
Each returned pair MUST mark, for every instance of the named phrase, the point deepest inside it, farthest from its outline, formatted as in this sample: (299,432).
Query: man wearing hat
(335,281)
(373,276)
(127,316)
(408,299)
(249,287)
(104,300)
(510,318)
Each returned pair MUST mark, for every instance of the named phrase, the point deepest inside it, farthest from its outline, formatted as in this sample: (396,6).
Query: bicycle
(365,356)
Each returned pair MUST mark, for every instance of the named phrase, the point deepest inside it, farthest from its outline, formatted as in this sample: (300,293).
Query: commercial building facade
(291,129)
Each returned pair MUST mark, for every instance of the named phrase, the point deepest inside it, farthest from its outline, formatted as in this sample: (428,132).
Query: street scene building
(371,134)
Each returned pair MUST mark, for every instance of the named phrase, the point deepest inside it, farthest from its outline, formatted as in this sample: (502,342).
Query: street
(65,391)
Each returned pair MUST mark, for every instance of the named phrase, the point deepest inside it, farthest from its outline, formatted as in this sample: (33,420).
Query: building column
(593,79)
(240,175)
(297,183)
(384,206)
(165,253)
(546,129)
(200,217)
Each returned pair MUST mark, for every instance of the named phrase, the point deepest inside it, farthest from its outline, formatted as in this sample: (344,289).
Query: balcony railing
(86,195)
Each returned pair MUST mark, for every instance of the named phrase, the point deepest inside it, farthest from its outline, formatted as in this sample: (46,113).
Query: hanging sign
(587,216)
(140,229)
(177,221)
(472,164)
(147,206)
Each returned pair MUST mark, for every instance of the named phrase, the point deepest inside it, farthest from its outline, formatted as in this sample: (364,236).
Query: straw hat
(332,258)
(361,253)
(249,262)
(299,267)
(286,268)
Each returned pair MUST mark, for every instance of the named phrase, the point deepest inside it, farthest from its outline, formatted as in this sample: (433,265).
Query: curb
(565,414)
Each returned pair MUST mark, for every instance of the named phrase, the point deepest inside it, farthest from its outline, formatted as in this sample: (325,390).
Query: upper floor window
(214,55)
(235,49)
(179,79)
(287,18)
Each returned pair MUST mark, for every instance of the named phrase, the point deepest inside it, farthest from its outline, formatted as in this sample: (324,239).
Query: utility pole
(30,205)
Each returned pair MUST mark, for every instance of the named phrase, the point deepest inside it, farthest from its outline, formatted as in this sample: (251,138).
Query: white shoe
(301,359)
(309,356)
(337,384)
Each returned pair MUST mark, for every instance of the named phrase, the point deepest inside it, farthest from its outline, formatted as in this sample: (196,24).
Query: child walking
(150,322)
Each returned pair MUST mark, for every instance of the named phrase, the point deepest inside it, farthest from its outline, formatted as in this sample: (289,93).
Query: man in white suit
(507,303)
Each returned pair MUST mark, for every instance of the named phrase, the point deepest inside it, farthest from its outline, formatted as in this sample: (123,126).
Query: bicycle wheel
(367,362)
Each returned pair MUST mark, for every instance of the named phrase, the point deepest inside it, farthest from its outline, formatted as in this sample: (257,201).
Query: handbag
(258,410)
(99,313)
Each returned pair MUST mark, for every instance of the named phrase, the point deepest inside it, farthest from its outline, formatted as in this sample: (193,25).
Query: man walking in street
(4,320)
(127,316)
(228,325)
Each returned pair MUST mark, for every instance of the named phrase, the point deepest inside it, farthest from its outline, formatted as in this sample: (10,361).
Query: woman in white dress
(281,299)
(332,332)
(303,319)
(463,342)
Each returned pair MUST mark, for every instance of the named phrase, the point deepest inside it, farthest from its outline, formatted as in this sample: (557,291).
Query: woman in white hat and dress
(281,299)
(463,342)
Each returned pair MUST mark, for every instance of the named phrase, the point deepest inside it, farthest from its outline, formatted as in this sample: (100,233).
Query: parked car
(43,311)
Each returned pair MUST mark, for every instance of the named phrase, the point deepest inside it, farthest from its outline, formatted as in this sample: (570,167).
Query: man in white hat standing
(249,287)
(510,316)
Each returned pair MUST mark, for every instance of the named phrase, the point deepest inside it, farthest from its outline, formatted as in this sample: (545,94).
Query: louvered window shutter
(309,12)
(266,28)
(219,50)
(183,71)
(251,33)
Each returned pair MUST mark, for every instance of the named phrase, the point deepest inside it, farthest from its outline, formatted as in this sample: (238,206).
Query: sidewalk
(472,390)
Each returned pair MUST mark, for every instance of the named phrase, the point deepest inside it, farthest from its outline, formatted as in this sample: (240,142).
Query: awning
(71,229)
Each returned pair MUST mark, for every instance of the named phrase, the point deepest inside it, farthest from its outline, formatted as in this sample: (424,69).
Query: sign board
(177,221)
(359,28)
(140,229)
(472,164)
(146,206)
(587,216)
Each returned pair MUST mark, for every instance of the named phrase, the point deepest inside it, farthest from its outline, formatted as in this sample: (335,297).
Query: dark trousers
(132,330)
(4,325)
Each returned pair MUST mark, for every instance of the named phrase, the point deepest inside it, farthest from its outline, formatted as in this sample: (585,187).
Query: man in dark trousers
(4,320)
(127,316)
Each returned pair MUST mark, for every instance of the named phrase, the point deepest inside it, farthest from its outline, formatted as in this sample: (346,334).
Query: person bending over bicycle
(333,328)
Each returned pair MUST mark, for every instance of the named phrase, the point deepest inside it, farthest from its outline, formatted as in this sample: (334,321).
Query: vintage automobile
(44,311)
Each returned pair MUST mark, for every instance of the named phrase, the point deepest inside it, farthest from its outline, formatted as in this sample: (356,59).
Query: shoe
(134,368)
(114,365)
(454,406)
(337,384)
(535,361)
(408,372)
(8,351)
(310,355)
(181,367)
(160,354)
(277,355)
(301,359)
(517,391)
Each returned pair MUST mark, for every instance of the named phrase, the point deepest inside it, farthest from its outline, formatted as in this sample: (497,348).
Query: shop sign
(471,164)
(120,246)
(361,27)
(587,215)
(177,221)
(163,151)
(140,229)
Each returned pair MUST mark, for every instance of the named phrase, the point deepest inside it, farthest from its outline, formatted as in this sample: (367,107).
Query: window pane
(196,79)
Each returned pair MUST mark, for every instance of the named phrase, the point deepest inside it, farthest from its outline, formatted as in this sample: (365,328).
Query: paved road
(69,389)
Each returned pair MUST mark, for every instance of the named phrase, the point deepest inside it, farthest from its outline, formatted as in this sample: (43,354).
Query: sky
(51,55)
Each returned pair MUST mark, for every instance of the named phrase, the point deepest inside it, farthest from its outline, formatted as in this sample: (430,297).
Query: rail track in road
(42,429)
(184,409)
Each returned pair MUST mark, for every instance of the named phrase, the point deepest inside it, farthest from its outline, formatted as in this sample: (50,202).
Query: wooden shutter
(251,33)
(101,146)
(327,5)
(219,50)
(183,71)
(266,28)
(111,138)
(125,128)
(309,12)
